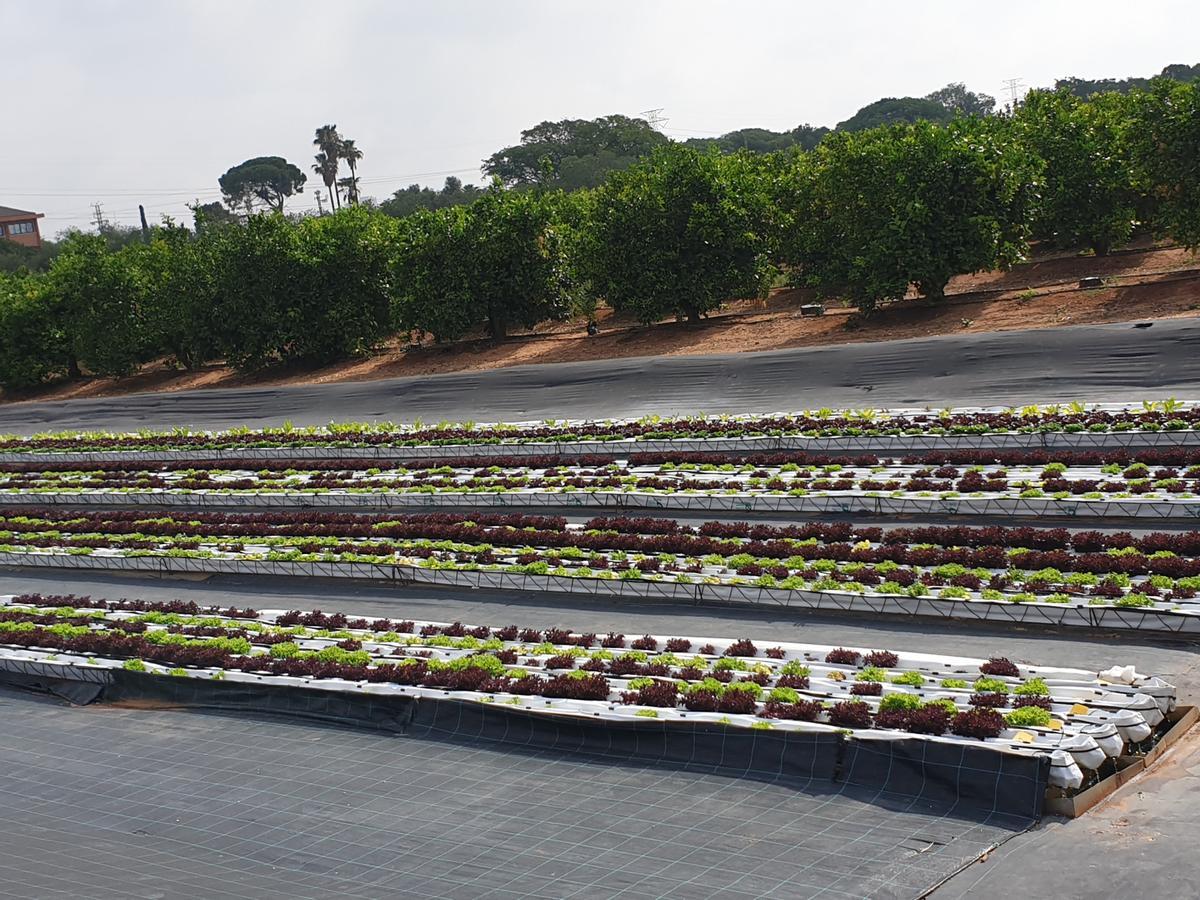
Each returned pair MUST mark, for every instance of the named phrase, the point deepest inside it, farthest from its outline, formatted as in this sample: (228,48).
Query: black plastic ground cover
(109,802)
(969,780)
(1082,362)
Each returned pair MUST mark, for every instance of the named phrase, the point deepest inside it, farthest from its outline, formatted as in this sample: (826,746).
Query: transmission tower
(99,221)
(1014,89)
(655,118)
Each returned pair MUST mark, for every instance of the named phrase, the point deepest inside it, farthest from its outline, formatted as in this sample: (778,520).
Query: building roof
(7,212)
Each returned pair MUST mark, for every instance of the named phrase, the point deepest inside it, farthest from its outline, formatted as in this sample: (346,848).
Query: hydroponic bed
(1117,482)
(1077,721)
(1167,423)
(1031,575)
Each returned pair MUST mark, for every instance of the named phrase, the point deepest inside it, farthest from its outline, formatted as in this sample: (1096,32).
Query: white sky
(128,101)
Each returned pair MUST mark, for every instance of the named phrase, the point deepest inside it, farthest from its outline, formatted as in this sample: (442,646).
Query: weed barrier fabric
(970,780)
(142,803)
(1085,362)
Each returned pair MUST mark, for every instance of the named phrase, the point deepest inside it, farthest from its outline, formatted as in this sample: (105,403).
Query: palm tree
(351,154)
(326,167)
(329,142)
(350,186)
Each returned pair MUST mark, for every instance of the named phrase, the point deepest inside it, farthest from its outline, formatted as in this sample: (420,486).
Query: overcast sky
(128,101)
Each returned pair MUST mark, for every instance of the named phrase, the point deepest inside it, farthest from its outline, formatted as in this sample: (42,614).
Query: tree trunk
(1101,248)
(693,315)
(73,367)
(497,324)
(933,290)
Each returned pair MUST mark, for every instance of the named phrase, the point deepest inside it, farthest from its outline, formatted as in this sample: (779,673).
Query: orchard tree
(32,344)
(499,260)
(679,234)
(433,291)
(99,298)
(1087,197)
(268,179)
(343,285)
(254,281)
(877,211)
(1164,142)
(178,270)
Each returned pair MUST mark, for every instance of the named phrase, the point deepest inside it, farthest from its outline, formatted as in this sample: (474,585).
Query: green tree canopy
(268,179)
(1164,143)
(679,233)
(406,201)
(32,344)
(876,211)
(309,291)
(1087,197)
(761,140)
(98,296)
(179,270)
(893,111)
(957,99)
(1085,87)
(547,148)
(499,260)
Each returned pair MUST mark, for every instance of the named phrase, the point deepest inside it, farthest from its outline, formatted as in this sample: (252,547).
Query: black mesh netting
(438,801)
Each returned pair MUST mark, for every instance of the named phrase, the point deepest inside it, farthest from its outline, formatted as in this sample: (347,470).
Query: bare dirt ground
(1140,283)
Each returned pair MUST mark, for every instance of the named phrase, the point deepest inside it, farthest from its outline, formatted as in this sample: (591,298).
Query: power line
(654,118)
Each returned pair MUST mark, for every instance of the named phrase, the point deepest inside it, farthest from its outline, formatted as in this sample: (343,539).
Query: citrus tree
(877,211)
(1164,143)
(679,233)
(1087,197)
(499,261)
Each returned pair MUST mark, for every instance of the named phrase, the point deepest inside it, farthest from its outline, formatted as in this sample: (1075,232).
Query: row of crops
(493,506)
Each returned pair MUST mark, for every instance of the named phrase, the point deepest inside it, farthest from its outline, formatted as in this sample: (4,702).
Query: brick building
(20,226)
